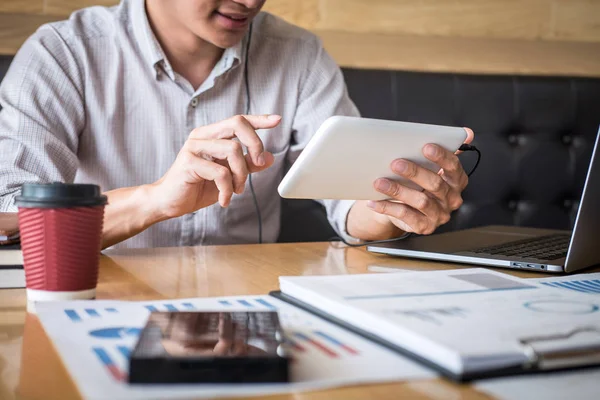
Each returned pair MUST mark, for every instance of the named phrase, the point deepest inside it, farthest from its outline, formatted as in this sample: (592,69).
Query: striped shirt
(94,99)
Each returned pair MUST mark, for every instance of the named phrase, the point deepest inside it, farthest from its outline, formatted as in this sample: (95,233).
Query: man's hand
(211,166)
(411,210)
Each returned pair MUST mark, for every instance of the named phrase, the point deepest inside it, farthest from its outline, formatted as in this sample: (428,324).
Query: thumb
(269,160)
(263,121)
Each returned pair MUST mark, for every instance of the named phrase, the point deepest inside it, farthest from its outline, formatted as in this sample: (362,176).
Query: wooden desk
(31,369)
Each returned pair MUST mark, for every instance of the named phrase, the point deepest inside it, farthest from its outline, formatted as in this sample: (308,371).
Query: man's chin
(228,39)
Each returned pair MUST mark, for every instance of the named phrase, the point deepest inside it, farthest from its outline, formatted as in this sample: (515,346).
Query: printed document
(465,321)
(101,334)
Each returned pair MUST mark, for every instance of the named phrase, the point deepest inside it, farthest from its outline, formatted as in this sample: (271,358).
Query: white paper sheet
(466,320)
(94,339)
(12,278)
(575,385)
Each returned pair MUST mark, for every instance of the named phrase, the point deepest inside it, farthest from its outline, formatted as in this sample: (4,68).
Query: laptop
(542,250)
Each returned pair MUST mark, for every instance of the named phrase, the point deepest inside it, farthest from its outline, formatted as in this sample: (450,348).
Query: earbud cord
(247,84)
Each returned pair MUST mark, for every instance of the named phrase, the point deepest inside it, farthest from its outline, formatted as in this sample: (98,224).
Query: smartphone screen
(217,334)
(210,347)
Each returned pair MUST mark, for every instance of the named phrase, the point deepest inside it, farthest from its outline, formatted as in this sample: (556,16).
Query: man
(145,100)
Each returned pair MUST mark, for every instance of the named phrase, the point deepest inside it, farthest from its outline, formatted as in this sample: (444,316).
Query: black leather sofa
(536,135)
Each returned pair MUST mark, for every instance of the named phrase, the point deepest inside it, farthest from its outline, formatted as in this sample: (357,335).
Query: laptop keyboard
(549,247)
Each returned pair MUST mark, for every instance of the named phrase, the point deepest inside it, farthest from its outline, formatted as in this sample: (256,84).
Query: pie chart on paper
(562,306)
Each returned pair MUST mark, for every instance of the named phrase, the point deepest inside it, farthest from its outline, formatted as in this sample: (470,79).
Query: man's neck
(189,55)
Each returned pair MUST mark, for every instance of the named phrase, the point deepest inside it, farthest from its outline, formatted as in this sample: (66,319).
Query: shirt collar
(144,36)
(153,53)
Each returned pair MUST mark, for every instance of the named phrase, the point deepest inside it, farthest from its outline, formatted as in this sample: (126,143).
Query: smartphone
(210,347)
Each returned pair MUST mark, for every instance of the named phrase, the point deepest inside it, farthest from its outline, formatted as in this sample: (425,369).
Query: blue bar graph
(92,313)
(102,355)
(125,351)
(245,303)
(225,302)
(171,307)
(152,308)
(583,286)
(111,310)
(189,306)
(72,314)
(265,303)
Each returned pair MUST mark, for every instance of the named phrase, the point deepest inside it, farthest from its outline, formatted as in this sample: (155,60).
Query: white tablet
(347,154)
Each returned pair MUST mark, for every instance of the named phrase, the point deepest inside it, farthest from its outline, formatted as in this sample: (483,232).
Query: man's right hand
(212,165)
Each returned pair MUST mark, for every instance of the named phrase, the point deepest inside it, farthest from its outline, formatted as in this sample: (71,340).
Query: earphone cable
(247,112)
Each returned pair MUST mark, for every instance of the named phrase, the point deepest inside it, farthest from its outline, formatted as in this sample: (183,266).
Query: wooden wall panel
(572,20)
(463,55)
(66,7)
(63,7)
(523,19)
(576,20)
(528,36)
(22,6)
(18,27)
(304,13)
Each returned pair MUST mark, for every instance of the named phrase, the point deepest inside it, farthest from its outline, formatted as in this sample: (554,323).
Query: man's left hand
(424,211)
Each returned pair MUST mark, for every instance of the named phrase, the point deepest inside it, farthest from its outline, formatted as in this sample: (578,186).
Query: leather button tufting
(567,204)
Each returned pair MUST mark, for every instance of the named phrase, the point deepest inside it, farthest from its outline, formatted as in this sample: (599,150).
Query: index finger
(447,160)
(263,121)
(243,127)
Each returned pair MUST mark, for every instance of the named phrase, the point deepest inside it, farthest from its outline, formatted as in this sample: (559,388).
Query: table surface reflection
(30,367)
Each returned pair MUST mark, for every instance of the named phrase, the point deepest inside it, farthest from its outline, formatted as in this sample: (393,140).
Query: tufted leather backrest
(536,135)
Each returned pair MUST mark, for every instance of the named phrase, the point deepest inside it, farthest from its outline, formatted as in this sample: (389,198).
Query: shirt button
(194,102)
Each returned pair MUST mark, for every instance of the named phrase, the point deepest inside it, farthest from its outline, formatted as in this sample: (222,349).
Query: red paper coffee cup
(61,238)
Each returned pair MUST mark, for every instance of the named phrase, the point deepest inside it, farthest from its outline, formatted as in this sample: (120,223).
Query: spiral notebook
(466,324)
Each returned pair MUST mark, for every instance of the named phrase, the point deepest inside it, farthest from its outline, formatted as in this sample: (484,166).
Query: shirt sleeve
(323,94)
(42,115)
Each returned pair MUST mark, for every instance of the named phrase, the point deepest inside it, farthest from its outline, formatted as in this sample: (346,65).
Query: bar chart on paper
(102,334)
(584,286)
(582,283)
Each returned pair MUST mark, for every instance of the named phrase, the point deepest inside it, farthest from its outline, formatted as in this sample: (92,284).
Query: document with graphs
(467,323)
(95,338)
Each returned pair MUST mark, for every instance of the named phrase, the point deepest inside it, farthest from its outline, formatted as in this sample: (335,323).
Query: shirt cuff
(7,203)
(343,209)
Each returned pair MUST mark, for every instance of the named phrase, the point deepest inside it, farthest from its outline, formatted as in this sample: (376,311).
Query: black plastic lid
(59,195)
